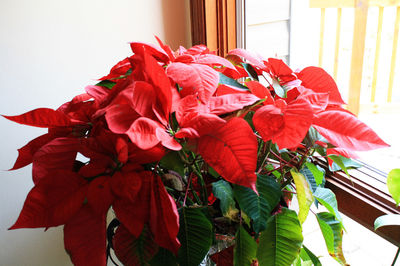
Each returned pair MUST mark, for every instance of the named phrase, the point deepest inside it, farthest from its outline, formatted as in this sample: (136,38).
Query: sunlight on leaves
(393,183)
(304,194)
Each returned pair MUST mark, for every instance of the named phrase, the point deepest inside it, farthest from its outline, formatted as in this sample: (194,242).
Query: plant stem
(197,171)
(397,255)
(187,190)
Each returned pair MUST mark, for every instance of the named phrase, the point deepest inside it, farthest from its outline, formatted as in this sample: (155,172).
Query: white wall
(49,51)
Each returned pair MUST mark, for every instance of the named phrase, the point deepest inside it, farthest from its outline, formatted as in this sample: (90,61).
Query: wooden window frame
(361,200)
(214,23)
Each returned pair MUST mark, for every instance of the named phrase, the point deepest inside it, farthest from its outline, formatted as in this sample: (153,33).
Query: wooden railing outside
(358,47)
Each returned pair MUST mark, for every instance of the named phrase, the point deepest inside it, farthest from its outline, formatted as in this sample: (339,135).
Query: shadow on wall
(176,19)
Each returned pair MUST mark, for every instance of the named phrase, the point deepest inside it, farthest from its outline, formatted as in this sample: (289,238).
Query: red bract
(318,80)
(232,151)
(205,122)
(346,131)
(285,125)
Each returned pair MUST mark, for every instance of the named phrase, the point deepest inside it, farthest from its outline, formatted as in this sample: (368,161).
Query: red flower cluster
(154,102)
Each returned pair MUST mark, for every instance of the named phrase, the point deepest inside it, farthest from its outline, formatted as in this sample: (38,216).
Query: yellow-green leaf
(245,248)
(393,183)
(332,231)
(304,194)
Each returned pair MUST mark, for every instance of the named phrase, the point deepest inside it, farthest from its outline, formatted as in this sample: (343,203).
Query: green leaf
(259,207)
(317,173)
(309,177)
(250,71)
(307,255)
(212,172)
(172,161)
(387,219)
(279,90)
(332,231)
(164,257)
(131,250)
(231,82)
(327,198)
(339,162)
(347,162)
(312,137)
(195,235)
(393,183)
(281,241)
(223,191)
(106,83)
(304,194)
(245,248)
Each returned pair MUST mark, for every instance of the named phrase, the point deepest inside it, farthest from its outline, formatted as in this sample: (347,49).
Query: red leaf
(253,59)
(343,152)
(286,126)
(318,80)
(164,217)
(198,49)
(189,106)
(162,87)
(42,117)
(345,131)
(99,195)
(232,152)
(166,48)
(268,121)
(132,251)
(58,154)
(298,117)
(120,117)
(167,140)
(118,70)
(151,205)
(196,79)
(85,238)
(279,69)
(97,92)
(143,133)
(120,114)
(318,101)
(195,125)
(224,257)
(260,91)
(230,102)
(153,50)
(139,156)
(143,99)
(132,204)
(53,201)
(25,154)
(126,185)
(214,60)
(223,89)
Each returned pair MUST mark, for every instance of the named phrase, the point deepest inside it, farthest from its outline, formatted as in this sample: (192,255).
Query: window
(213,25)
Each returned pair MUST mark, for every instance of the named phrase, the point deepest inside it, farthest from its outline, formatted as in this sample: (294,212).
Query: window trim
(212,25)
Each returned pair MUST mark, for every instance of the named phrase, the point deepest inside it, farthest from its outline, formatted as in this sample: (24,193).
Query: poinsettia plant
(184,149)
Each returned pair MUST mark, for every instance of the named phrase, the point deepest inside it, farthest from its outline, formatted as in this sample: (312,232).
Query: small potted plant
(186,149)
